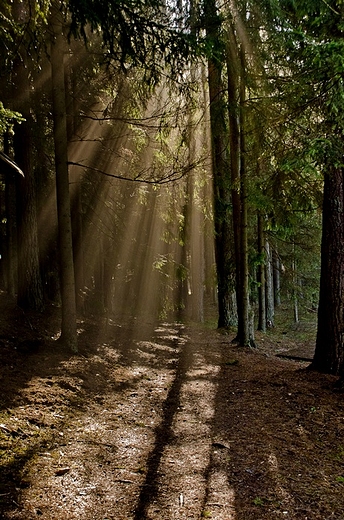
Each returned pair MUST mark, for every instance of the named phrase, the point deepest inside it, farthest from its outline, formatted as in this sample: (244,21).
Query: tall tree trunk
(236,68)
(46,209)
(270,309)
(2,239)
(197,261)
(30,291)
(295,287)
(233,75)
(67,282)
(276,278)
(194,226)
(329,350)
(261,275)
(11,229)
(183,273)
(76,177)
(221,180)
(209,252)
(245,335)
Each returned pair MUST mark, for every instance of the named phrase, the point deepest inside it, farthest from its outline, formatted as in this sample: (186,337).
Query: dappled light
(161,422)
(171,260)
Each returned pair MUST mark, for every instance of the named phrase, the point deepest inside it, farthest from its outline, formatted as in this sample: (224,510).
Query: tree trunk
(245,335)
(11,229)
(261,276)
(210,286)
(67,283)
(233,74)
(197,261)
(295,287)
(183,273)
(276,278)
(270,309)
(236,67)
(329,350)
(75,193)
(194,227)
(221,180)
(29,290)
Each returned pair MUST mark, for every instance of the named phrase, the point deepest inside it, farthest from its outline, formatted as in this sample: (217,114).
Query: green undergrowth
(285,326)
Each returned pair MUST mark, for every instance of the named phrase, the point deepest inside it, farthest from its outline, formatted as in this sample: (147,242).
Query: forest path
(167,422)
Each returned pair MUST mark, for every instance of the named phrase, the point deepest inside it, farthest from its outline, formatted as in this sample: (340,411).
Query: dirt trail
(170,422)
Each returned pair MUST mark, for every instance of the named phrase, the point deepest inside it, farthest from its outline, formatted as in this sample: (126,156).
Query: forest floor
(163,422)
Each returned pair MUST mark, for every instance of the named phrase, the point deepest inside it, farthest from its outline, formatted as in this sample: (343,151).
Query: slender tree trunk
(194,227)
(2,241)
(11,235)
(209,253)
(46,195)
(67,283)
(99,295)
(197,263)
(246,333)
(78,243)
(75,193)
(276,278)
(108,278)
(261,276)
(236,67)
(233,80)
(329,350)
(183,297)
(295,287)
(270,310)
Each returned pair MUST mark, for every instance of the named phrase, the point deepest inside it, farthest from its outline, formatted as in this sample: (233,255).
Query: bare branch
(175,175)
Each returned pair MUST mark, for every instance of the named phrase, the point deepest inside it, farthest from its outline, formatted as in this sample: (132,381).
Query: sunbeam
(136,245)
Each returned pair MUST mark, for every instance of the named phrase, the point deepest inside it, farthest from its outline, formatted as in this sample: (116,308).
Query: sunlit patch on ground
(165,427)
(182,475)
(220,503)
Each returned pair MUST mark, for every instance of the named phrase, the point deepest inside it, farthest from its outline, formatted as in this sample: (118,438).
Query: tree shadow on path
(163,432)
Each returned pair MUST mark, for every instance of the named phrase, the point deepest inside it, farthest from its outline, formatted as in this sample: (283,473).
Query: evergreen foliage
(146,33)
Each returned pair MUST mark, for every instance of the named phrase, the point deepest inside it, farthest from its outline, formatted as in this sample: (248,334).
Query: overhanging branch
(174,176)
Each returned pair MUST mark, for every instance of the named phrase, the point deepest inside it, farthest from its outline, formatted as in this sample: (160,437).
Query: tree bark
(75,193)
(67,282)
(11,229)
(29,290)
(236,67)
(270,309)
(261,276)
(295,287)
(194,225)
(221,180)
(329,350)
(233,74)
(276,278)
(245,335)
